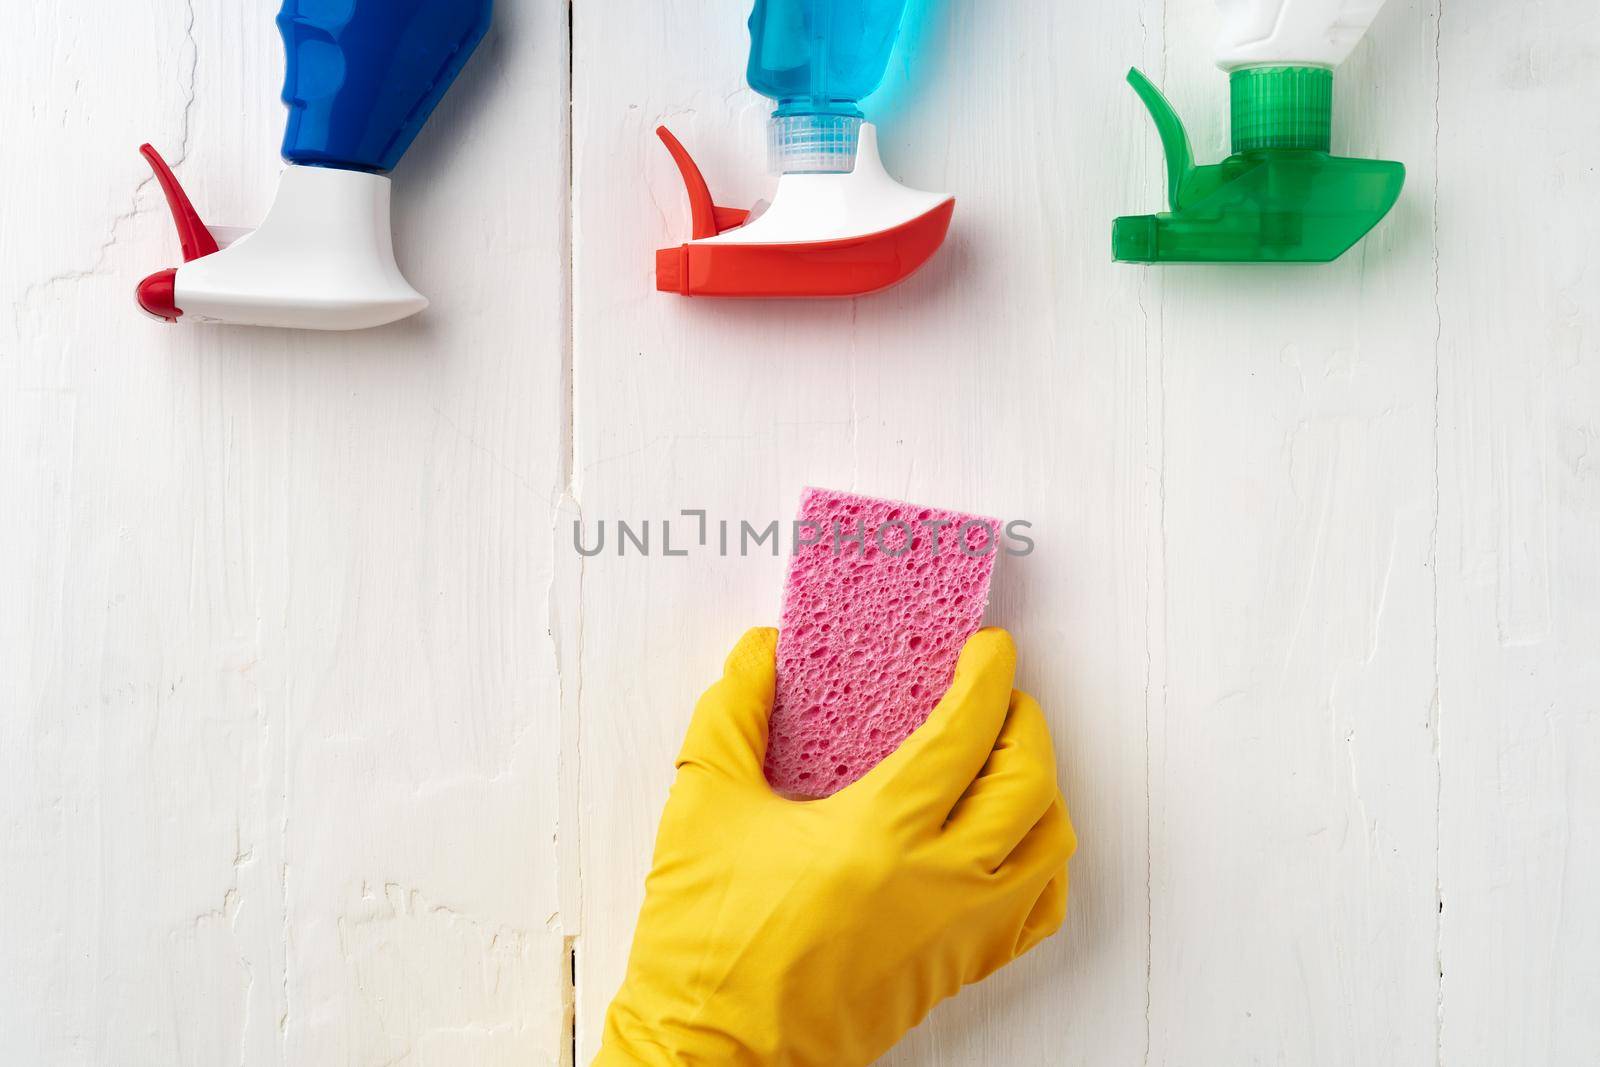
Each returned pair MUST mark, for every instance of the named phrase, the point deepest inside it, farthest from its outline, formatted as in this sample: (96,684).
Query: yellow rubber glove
(780,933)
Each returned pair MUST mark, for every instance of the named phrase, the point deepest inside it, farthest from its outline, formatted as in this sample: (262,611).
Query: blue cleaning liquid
(818,59)
(821,57)
(364,75)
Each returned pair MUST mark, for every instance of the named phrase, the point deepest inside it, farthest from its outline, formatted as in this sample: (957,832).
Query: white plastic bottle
(1300,33)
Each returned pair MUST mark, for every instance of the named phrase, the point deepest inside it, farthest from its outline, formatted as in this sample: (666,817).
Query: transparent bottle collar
(813,144)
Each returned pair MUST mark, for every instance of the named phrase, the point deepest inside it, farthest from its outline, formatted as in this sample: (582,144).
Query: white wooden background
(320,745)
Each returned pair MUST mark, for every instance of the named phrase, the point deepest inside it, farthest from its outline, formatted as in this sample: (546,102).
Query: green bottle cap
(1282,107)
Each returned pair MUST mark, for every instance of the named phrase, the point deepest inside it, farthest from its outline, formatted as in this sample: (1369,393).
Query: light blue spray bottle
(838,224)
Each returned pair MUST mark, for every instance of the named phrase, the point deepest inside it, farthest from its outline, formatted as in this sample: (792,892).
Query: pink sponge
(880,598)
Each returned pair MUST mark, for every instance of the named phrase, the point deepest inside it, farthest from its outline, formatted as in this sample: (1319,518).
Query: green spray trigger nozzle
(1280,197)
(1174,138)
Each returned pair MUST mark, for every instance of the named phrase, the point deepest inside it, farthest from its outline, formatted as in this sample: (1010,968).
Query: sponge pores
(880,598)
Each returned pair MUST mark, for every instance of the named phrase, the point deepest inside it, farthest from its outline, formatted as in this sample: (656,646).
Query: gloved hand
(780,933)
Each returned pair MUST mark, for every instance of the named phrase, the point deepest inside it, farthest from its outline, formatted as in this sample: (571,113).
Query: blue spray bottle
(362,78)
(838,224)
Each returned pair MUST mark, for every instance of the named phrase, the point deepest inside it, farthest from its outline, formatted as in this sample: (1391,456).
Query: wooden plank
(1519,487)
(1292,777)
(1009,377)
(274,666)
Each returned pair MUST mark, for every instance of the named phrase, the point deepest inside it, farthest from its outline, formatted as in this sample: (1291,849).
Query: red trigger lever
(708,219)
(157,293)
(193,236)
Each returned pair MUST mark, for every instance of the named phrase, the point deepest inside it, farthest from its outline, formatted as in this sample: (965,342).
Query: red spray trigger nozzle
(158,296)
(193,236)
(707,218)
